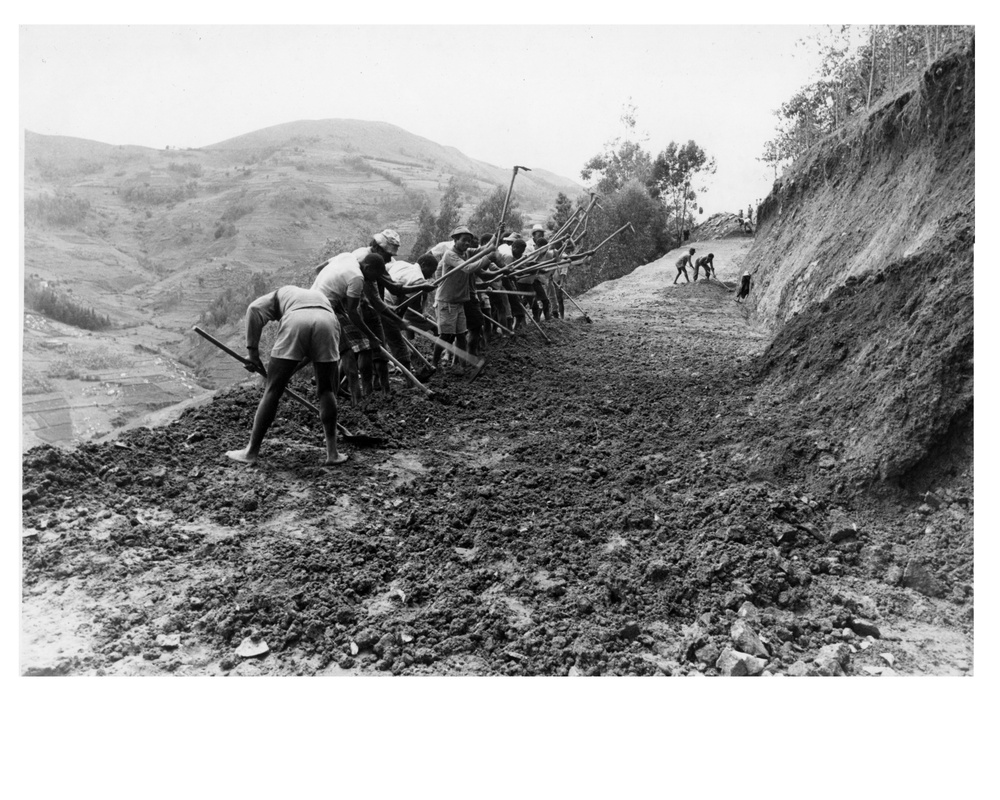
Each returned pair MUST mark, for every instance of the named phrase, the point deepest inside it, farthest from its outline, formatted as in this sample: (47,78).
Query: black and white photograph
(498,351)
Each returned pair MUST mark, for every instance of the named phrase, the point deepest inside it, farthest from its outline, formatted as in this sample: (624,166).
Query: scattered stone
(865,644)
(169,641)
(863,627)
(798,669)
(250,648)
(841,534)
(833,659)
(894,575)
(916,576)
(197,436)
(889,658)
(747,610)
(630,630)
(859,604)
(733,663)
(932,500)
(870,670)
(708,655)
(747,640)
(924,509)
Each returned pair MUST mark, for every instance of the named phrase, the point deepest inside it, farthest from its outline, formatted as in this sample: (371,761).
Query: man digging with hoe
(308,329)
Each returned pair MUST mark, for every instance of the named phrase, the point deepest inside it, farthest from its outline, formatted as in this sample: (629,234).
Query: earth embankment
(863,268)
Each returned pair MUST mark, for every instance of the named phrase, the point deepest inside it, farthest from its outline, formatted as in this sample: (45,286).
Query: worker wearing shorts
(307,329)
(682,264)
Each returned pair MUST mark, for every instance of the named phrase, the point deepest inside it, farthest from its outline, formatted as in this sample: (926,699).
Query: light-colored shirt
(277,304)
(405,273)
(441,248)
(455,287)
(340,278)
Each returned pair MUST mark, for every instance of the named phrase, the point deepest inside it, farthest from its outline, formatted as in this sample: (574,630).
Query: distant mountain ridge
(161,239)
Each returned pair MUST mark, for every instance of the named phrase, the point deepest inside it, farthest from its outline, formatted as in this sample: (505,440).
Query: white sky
(545,97)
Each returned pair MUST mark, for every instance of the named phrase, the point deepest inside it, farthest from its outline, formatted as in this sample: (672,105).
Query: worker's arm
(261,311)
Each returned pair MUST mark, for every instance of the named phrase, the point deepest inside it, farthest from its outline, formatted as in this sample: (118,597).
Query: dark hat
(460,230)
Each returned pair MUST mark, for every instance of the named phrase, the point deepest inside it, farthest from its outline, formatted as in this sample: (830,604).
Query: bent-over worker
(308,329)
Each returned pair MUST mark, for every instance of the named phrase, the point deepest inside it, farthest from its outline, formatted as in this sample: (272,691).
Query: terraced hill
(153,238)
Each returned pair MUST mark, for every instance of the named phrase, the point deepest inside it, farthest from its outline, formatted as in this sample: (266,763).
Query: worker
(410,275)
(705,263)
(516,246)
(307,329)
(345,282)
(454,291)
(744,289)
(682,264)
(386,245)
(539,282)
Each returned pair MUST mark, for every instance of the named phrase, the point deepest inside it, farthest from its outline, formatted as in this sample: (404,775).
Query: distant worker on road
(682,264)
(705,263)
(308,329)
(744,289)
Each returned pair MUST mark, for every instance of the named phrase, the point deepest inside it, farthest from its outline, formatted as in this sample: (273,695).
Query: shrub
(61,210)
(628,250)
(225,230)
(194,170)
(45,300)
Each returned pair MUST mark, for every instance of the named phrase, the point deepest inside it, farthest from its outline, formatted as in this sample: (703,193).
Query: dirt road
(598,506)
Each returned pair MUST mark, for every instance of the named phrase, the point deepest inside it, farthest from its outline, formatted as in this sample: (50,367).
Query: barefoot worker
(308,329)
(706,263)
(682,264)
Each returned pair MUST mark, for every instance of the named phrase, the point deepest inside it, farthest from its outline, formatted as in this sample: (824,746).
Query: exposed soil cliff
(863,266)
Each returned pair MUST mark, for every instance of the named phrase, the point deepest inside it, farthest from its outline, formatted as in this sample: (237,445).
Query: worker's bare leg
(367,372)
(350,365)
(327,378)
(279,373)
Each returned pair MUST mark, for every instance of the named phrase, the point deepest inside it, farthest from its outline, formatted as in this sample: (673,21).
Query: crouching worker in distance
(307,330)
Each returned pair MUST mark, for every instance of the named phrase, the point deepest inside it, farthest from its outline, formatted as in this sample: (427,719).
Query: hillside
(152,239)
(863,262)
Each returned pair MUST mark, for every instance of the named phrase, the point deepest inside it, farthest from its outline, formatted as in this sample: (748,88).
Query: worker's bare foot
(243,456)
(337,460)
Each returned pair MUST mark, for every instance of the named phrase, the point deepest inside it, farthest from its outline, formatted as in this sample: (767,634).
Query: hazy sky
(543,96)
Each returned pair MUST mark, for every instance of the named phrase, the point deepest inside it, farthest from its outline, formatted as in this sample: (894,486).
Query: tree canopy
(485,218)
